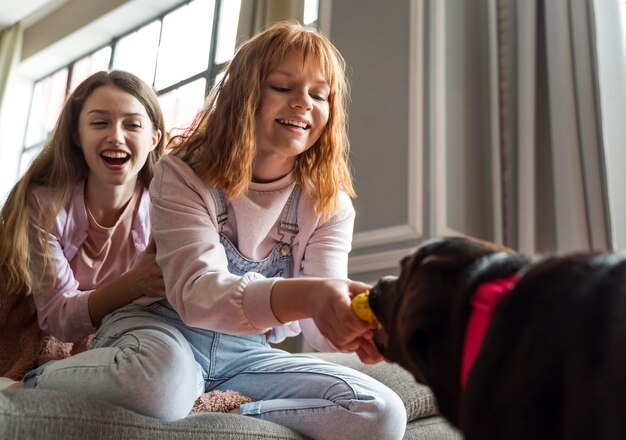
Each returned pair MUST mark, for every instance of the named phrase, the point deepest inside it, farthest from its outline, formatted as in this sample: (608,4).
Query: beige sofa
(52,415)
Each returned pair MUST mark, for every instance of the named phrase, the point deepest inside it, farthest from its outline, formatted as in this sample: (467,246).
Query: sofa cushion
(55,415)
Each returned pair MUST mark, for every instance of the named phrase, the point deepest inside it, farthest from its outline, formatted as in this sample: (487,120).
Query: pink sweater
(195,269)
(62,307)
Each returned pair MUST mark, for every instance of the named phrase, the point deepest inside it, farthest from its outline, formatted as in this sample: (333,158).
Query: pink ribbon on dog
(484,303)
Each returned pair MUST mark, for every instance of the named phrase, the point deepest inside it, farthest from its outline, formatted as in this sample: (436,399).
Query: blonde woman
(75,228)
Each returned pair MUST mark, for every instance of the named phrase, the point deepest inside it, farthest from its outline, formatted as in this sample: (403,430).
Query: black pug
(552,364)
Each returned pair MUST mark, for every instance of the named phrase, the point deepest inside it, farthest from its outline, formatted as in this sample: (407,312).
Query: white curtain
(553,166)
(611,61)
(10,54)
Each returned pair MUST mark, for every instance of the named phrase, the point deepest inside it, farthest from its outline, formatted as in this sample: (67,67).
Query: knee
(167,394)
(394,416)
(167,398)
(384,416)
(162,385)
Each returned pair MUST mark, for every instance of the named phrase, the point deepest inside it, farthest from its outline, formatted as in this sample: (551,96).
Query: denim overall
(279,263)
(147,360)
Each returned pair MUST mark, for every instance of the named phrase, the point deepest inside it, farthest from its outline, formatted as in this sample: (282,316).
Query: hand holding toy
(361,307)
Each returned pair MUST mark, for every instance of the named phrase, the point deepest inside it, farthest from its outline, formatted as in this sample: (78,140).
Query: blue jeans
(147,360)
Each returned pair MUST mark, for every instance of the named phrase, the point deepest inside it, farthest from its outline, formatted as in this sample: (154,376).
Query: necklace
(115,218)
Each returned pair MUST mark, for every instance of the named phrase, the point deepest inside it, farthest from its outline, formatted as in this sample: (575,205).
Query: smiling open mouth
(302,125)
(115,157)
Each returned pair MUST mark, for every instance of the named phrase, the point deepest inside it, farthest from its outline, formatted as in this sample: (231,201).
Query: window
(179,53)
(610,47)
(172,52)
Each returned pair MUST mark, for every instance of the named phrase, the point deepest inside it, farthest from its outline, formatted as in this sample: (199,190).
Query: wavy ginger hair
(59,166)
(221,146)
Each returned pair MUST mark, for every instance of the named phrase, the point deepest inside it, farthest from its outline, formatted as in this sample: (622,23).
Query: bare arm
(327,302)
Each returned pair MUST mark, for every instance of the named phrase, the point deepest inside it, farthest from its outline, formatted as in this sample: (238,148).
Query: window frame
(209,73)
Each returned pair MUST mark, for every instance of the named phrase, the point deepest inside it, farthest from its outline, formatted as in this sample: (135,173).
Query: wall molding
(383,236)
(494,122)
(413,228)
(386,260)
(438,107)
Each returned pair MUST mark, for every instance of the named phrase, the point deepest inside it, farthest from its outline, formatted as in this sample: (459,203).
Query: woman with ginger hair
(253,223)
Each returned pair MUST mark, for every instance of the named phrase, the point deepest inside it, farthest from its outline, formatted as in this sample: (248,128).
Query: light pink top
(107,253)
(61,303)
(195,269)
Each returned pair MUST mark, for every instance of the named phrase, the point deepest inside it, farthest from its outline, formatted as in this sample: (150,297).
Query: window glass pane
(181,105)
(48,98)
(227,30)
(27,158)
(185,43)
(311,8)
(89,65)
(218,78)
(137,52)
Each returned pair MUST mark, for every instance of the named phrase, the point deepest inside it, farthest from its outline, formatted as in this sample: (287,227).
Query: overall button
(284,250)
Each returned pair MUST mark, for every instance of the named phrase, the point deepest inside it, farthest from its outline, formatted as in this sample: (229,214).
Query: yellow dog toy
(361,307)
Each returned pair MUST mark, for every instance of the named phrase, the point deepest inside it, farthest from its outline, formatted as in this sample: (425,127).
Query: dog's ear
(426,283)
(412,354)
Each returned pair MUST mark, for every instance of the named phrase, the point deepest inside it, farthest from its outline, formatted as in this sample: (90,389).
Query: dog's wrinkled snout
(383,283)
(379,292)
(381,302)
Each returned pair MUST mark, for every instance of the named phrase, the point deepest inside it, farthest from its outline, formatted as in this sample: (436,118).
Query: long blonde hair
(59,166)
(221,146)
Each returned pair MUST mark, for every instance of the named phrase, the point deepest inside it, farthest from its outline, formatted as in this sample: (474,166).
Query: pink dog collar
(484,303)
